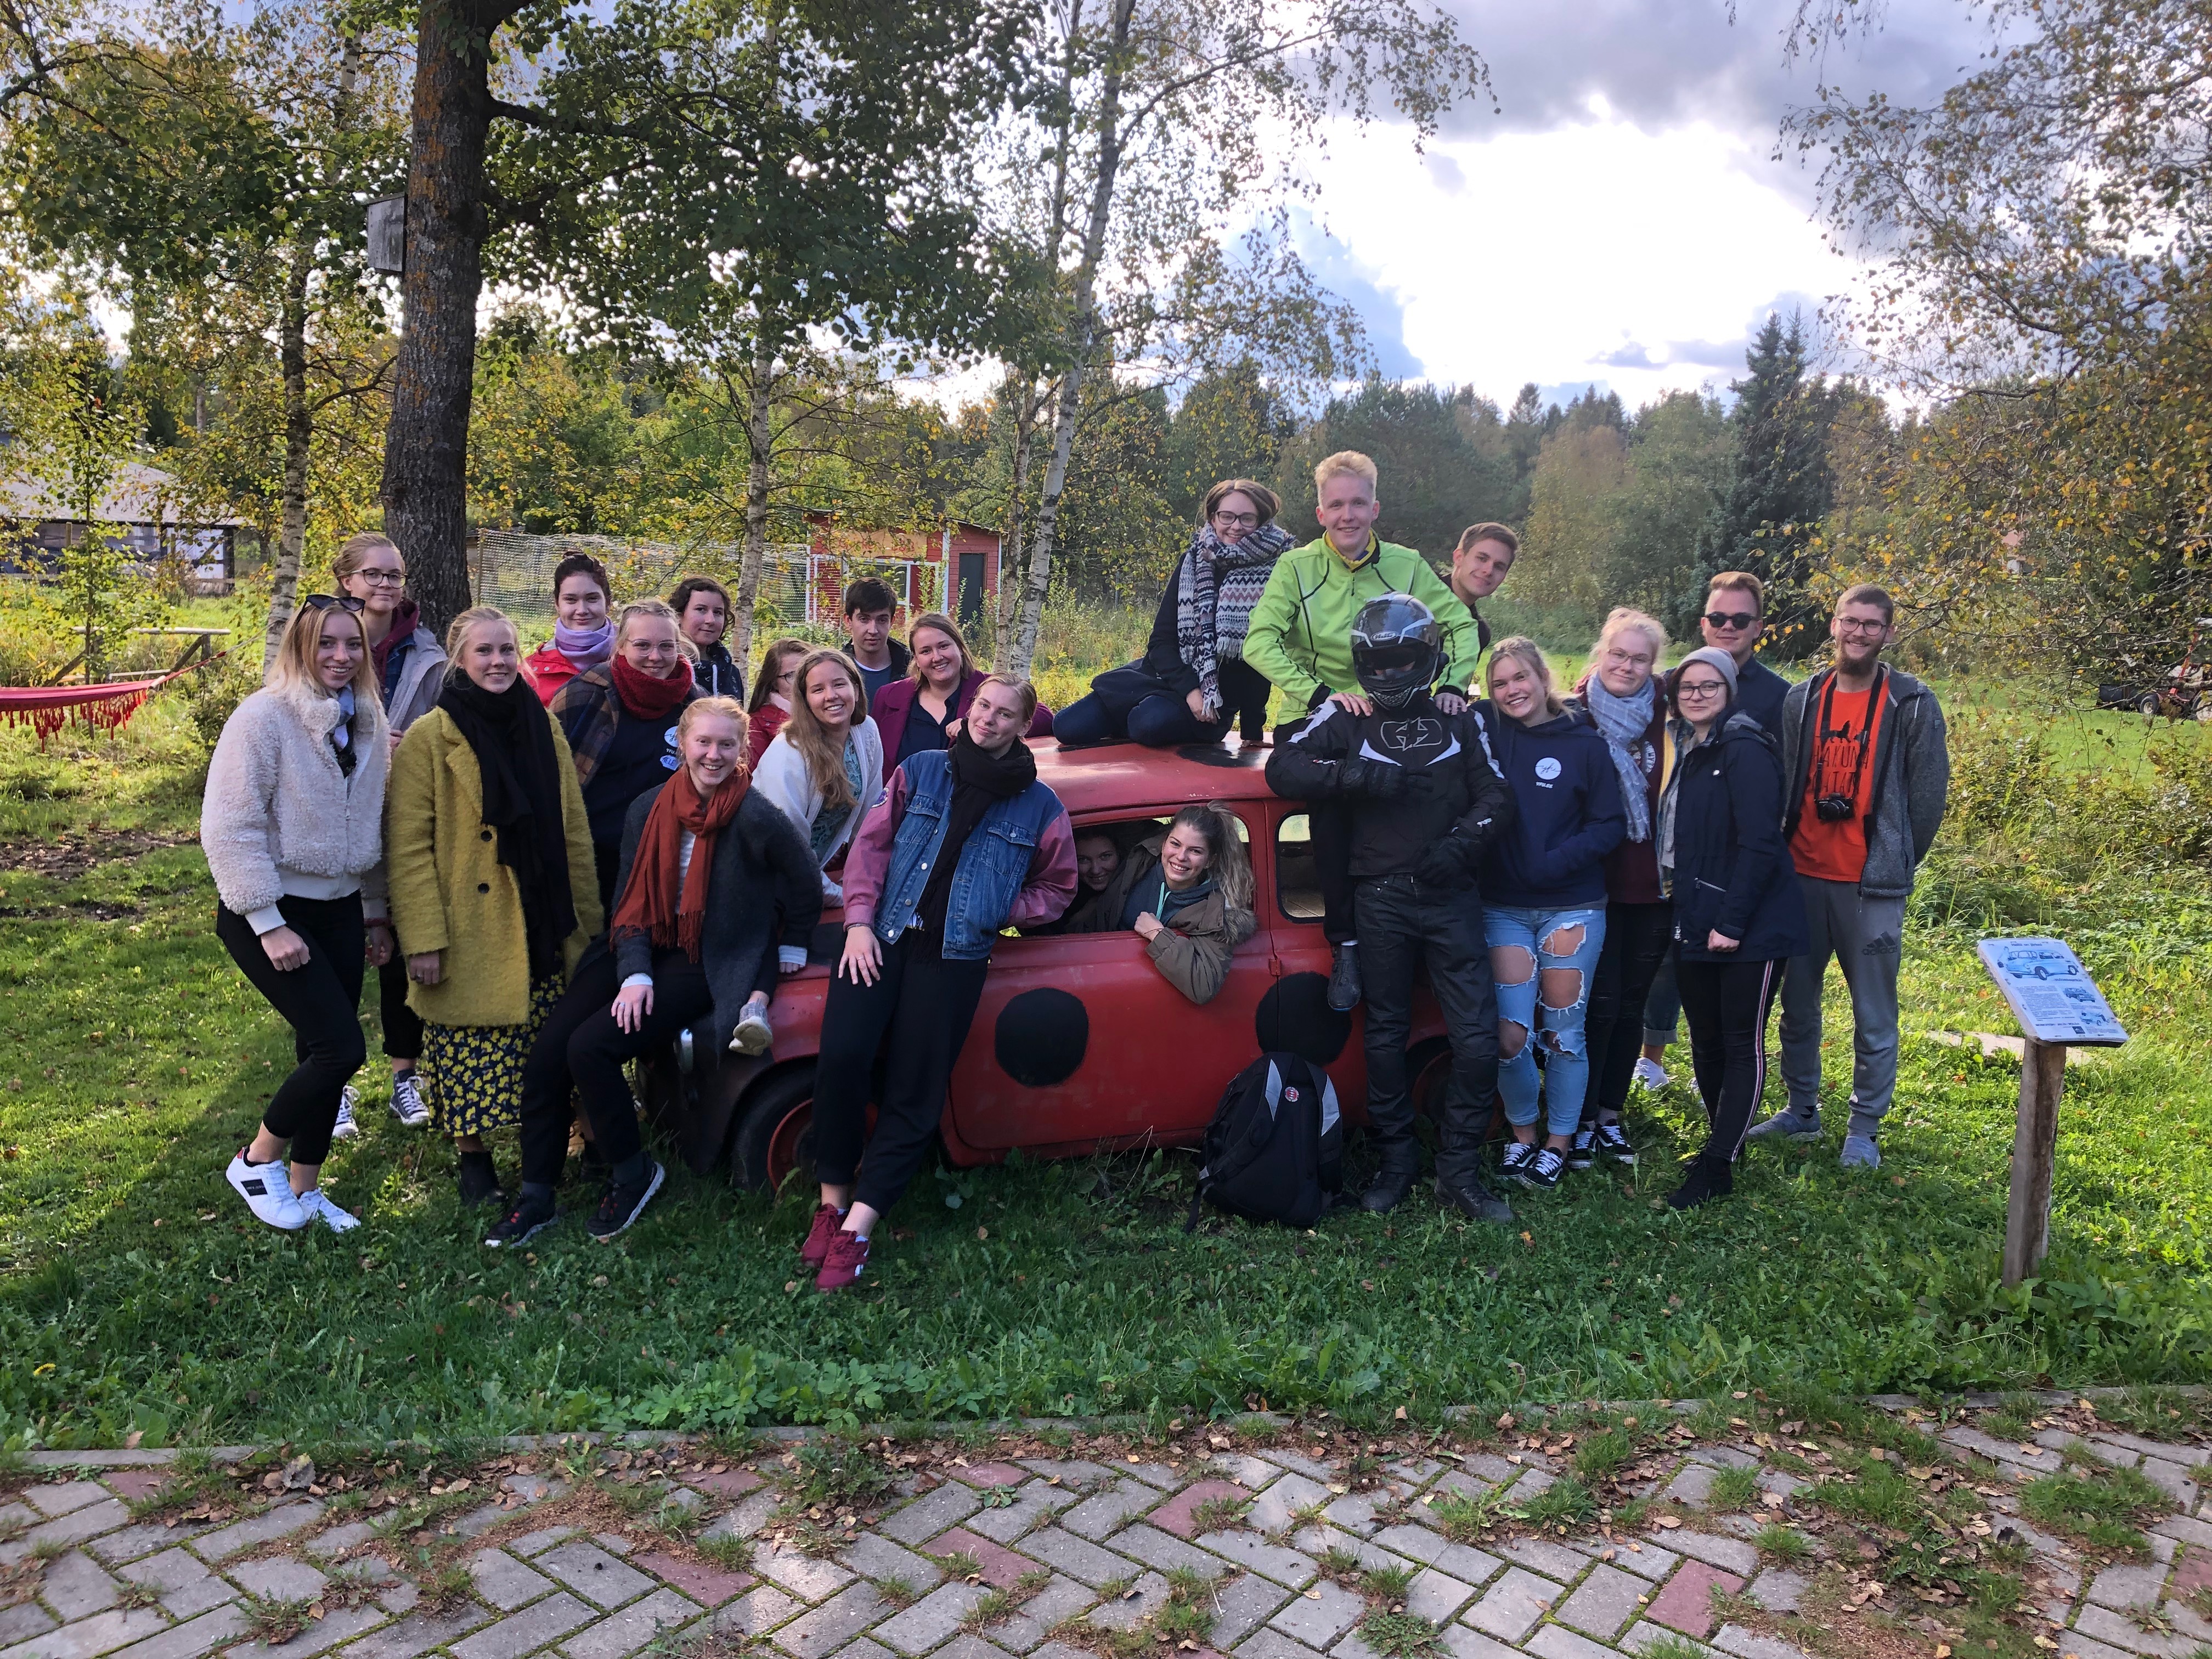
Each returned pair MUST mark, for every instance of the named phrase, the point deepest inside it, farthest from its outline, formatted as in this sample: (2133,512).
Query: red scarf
(650,904)
(648,698)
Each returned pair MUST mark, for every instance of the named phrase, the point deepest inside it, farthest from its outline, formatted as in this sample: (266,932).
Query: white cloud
(1596,251)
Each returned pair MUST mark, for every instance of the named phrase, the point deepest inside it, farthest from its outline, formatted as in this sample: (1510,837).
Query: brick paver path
(1274,1545)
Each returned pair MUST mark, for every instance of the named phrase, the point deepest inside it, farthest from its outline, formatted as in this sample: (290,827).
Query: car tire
(774,1139)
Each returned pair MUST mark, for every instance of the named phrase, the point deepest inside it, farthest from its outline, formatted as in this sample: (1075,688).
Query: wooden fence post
(2034,1151)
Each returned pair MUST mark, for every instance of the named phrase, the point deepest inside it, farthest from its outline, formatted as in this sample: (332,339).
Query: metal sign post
(2057,1005)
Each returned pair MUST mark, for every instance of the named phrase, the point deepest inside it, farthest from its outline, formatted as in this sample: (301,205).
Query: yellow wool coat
(450,893)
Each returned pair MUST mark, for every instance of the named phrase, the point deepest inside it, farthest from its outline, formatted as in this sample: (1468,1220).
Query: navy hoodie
(1569,795)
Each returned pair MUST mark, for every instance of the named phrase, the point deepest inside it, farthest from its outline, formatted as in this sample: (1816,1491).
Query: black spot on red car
(1041,1037)
(1295,1016)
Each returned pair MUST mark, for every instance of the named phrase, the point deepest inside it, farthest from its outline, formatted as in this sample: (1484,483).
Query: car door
(1080,1040)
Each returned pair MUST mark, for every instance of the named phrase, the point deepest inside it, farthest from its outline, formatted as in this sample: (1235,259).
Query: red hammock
(106,708)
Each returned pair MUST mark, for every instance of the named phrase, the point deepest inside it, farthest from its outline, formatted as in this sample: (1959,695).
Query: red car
(1079,1046)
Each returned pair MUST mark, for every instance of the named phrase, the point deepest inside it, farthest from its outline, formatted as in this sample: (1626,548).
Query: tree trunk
(1110,142)
(759,437)
(1011,563)
(298,433)
(427,447)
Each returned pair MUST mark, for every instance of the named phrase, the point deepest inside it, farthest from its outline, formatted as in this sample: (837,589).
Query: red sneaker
(842,1266)
(827,1221)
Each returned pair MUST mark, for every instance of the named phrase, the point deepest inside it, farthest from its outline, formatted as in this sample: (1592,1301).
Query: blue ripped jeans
(1521,1011)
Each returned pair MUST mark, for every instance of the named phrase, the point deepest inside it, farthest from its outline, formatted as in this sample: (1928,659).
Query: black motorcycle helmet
(1397,649)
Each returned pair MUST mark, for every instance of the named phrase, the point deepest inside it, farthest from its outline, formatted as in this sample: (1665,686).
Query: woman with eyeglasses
(1193,681)
(1623,696)
(292,825)
(620,721)
(1738,915)
(493,889)
(410,671)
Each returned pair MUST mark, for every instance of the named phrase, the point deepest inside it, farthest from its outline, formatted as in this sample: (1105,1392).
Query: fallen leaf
(1670,1523)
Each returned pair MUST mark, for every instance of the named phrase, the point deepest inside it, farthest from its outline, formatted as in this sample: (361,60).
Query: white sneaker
(267,1190)
(345,1128)
(407,1102)
(1651,1074)
(752,1035)
(319,1207)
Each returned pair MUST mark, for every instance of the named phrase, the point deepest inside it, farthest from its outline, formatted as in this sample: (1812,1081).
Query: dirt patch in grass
(66,858)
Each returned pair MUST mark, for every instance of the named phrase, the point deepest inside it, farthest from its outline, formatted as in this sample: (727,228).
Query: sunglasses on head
(1732,618)
(334,601)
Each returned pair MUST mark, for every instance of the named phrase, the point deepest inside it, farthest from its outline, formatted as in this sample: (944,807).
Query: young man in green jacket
(1300,637)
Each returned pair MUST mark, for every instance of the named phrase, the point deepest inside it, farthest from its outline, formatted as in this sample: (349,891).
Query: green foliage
(836,1471)
(2103,1507)
(1402,1636)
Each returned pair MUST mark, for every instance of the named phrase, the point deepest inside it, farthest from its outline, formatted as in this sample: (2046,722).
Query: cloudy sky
(1622,220)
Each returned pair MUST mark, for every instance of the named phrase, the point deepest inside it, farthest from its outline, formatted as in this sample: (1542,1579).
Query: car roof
(1110,777)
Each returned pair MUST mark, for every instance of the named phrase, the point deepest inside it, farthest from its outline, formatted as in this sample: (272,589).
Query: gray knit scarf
(1216,586)
(1622,721)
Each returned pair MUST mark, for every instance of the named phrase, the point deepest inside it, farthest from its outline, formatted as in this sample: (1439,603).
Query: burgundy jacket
(894,701)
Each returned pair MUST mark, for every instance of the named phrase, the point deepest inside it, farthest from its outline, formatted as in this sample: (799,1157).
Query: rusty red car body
(1079,1045)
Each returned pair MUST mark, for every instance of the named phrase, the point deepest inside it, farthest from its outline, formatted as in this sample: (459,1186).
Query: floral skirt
(475,1071)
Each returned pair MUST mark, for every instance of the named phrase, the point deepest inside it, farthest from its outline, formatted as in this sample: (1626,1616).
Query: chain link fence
(798,586)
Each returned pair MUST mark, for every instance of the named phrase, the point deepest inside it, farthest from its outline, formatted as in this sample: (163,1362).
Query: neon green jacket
(1300,635)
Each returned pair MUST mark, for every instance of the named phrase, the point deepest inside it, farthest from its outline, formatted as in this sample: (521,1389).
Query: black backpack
(1274,1151)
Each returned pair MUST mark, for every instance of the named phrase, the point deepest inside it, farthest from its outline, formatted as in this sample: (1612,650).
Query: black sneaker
(1707,1179)
(1515,1158)
(521,1224)
(1613,1143)
(1344,978)
(624,1203)
(1581,1151)
(1468,1194)
(478,1181)
(1542,1169)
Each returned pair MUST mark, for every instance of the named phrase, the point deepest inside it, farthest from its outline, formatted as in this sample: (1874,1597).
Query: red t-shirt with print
(1843,764)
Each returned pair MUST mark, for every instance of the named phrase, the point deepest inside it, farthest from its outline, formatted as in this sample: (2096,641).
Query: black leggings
(403,1026)
(1637,939)
(925,1006)
(580,1047)
(1328,825)
(1727,1002)
(321,1001)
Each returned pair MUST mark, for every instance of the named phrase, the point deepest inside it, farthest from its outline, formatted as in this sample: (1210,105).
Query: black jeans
(580,1048)
(1159,722)
(1637,939)
(1328,827)
(1727,1002)
(1401,924)
(924,1004)
(403,1026)
(321,1001)
(607,859)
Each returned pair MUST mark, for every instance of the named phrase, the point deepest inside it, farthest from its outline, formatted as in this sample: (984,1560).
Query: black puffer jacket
(1732,870)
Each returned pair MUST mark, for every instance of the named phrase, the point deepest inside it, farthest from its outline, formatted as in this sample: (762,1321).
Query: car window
(1298,885)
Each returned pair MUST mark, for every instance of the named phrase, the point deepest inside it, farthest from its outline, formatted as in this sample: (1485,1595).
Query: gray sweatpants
(1866,937)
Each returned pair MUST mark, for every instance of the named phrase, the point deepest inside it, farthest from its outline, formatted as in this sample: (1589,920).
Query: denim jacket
(1008,871)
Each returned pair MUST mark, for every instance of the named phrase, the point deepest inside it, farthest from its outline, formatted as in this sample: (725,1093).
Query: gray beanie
(1713,657)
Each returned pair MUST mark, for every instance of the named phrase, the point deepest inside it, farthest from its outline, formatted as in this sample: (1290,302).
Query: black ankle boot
(1709,1178)
(478,1180)
(1401,1164)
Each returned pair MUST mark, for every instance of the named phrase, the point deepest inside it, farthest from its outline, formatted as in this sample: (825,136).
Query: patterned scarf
(1216,587)
(1622,721)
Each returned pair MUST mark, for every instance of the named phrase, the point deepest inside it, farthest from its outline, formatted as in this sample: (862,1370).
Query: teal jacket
(1300,635)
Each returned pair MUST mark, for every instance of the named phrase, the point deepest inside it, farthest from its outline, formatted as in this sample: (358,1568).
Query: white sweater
(782,775)
(280,818)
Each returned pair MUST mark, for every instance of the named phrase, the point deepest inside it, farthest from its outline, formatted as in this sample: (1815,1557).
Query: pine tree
(1778,486)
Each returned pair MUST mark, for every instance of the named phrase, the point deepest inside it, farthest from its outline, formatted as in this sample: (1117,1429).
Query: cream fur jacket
(279,818)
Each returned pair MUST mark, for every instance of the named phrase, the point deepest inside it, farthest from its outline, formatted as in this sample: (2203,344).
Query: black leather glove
(1446,864)
(1379,780)
(1429,784)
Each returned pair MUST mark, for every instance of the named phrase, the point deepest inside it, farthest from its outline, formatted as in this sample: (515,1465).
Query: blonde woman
(1543,892)
(493,889)
(411,671)
(922,713)
(620,722)
(1187,893)
(826,767)
(292,825)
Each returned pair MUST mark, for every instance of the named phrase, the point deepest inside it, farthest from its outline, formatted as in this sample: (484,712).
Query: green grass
(2102,1507)
(136,1296)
